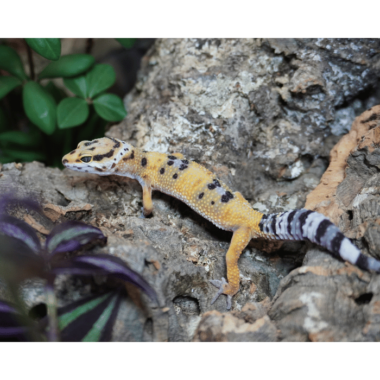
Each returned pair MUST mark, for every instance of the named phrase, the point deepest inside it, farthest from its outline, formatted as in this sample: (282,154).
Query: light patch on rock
(260,207)
(313,322)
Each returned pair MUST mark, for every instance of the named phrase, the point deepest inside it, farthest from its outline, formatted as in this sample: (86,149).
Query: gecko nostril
(65,161)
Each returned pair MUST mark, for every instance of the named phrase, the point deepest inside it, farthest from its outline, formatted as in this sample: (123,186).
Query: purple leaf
(18,229)
(70,236)
(90,319)
(9,325)
(18,261)
(106,265)
(10,201)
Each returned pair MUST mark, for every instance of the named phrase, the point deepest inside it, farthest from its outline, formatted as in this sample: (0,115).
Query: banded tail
(310,225)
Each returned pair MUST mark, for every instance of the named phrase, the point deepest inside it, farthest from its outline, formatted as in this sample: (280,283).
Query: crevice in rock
(188,305)
(38,311)
(364,299)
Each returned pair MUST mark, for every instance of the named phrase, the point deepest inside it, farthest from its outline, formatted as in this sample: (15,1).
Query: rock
(218,327)
(264,115)
(326,300)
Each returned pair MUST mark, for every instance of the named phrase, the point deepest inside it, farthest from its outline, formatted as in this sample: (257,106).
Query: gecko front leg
(147,200)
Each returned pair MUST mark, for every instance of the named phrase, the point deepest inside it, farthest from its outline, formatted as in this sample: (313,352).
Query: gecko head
(99,156)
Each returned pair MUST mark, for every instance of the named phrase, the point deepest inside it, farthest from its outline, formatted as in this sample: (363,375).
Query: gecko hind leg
(240,239)
(220,284)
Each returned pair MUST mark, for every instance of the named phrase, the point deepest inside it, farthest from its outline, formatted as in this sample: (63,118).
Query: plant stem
(51,303)
(30,60)
(89,44)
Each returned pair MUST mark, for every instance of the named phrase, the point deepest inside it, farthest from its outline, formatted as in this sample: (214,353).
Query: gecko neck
(130,165)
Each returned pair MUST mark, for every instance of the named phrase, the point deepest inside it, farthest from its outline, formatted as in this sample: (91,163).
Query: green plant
(38,120)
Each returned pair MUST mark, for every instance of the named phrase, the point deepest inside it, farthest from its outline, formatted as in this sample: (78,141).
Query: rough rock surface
(264,115)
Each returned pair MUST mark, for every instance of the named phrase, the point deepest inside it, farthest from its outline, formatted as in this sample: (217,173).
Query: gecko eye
(86,159)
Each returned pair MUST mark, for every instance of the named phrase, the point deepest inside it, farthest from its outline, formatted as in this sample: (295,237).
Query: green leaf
(6,159)
(4,120)
(126,42)
(55,92)
(40,107)
(22,155)
(99,79)
(68,66)
(49,48)
(86,131)
(90,319)
(11,62)
(20,138)
(7,84)
(110,107)
(77,86)
(72,112)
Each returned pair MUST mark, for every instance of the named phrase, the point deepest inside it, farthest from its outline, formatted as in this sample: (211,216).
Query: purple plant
(22,256)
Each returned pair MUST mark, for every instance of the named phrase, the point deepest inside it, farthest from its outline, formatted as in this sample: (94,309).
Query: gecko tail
(309,225)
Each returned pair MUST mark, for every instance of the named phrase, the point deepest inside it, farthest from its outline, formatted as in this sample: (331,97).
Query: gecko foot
(220,284)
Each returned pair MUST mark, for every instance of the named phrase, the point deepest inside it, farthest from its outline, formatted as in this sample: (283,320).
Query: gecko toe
(220,285)
(142,216)
(229,302)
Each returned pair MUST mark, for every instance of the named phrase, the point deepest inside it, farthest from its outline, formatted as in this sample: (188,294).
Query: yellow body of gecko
(203,192)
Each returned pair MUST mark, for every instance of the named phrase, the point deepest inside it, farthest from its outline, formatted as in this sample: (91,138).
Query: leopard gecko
(200,189)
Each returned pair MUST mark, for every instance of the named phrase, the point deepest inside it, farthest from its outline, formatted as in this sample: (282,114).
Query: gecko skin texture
(206,194)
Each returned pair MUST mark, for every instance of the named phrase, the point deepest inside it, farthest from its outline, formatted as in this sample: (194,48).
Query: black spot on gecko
(162,170)
(200,196)
(216,182)
(175,176)
(93,148)
(117,144)
(212,202)
(99,170)
(125,149)
(321,230)
(99,157)
(212,186)
(77,160)
(290,219)
(302,218)
(172,157)
(73,151)
(65,161)
(113,165)
(183,167)
(273,225)
(170,163)
(336,242)
(186,162)
(144,161)
(225,198)
(131,157)
(89,143)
